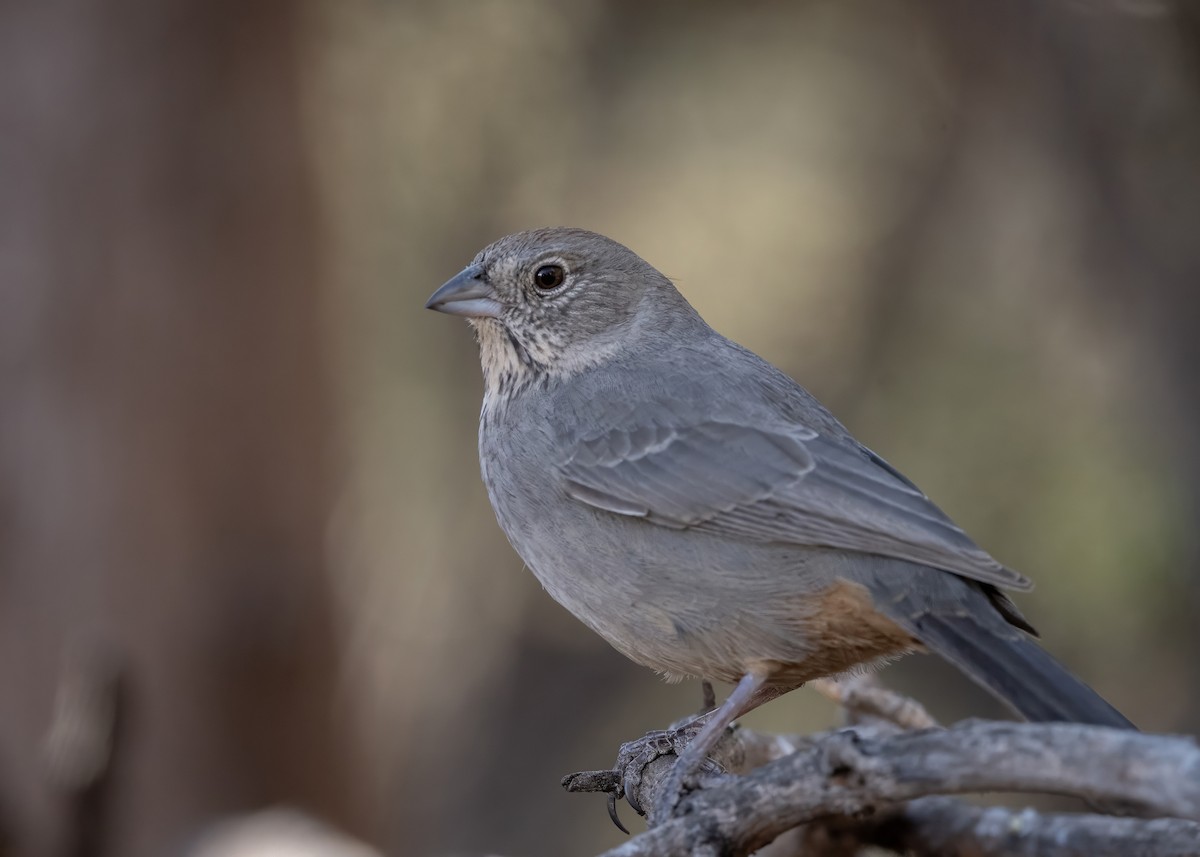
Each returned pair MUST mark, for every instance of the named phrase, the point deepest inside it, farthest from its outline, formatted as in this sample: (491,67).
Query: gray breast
(671,600)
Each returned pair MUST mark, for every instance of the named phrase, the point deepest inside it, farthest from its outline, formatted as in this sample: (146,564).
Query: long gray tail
(1018,671)
(976,628)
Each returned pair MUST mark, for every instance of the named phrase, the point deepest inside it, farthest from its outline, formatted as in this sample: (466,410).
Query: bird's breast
(683,602)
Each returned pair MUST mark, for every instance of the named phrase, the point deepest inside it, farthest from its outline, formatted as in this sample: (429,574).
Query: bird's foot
(635,757)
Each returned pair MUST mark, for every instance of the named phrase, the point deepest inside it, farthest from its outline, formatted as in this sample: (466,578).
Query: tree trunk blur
(165,435)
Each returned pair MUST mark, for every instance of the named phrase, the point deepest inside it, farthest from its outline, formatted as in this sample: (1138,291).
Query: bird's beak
(468,293)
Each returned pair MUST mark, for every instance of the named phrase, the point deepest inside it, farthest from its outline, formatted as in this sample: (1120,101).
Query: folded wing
(791,486)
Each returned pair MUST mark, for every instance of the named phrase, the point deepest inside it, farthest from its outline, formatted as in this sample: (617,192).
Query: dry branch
(946,827)
(863,695)
(868,773)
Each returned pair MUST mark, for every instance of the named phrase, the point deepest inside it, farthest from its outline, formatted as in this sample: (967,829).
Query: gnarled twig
(859,773)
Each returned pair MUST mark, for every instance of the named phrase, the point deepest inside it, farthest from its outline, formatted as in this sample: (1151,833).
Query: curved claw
(612,813)
(634,756)
(631,781)
(631,784)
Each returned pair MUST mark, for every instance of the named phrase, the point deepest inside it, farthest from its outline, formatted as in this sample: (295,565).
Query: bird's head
(553,302)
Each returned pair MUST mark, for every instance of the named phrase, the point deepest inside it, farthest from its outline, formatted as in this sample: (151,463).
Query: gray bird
(703,512)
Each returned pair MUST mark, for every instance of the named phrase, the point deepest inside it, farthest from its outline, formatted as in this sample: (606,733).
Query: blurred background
(246,560)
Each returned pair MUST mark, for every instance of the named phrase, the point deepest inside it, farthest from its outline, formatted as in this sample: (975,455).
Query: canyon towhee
(703,512)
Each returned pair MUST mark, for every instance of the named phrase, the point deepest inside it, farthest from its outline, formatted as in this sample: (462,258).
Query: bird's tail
(1017,670)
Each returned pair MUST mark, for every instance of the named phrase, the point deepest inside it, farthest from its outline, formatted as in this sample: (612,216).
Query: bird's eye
(549,277)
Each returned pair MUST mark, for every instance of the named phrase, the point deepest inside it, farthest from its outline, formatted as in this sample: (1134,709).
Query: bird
(704,513)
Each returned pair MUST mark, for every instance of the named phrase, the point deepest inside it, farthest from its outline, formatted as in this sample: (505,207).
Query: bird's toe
(635,757)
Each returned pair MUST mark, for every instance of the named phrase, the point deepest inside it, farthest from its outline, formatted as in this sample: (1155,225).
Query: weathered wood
(856,774)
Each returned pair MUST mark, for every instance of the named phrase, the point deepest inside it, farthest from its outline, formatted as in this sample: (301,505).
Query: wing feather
(790,486)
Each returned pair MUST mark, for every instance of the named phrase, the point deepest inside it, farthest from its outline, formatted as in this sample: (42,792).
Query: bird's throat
(507,364)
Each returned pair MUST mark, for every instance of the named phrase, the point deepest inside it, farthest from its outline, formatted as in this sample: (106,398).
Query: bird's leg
(749,693)
(691,742)
(635,756)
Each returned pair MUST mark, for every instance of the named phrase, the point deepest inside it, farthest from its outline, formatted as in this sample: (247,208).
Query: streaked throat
(508,364)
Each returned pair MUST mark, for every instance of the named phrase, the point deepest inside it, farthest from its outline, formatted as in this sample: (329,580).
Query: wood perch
(946,827)
(876,785)
(863,696)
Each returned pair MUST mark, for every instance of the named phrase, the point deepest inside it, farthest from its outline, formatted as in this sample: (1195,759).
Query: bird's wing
(789,486)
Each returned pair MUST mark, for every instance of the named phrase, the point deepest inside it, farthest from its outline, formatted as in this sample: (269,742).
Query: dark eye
(549,276)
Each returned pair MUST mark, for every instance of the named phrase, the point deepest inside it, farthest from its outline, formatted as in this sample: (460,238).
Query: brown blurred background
(245,557)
